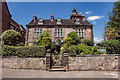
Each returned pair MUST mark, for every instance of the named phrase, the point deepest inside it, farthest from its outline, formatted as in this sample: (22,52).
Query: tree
(46,42)
(114,23)
(73,35)
(44,34)
(11,37)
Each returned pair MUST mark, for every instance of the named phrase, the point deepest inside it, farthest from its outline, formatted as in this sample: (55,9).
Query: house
(6,21)
(59,28)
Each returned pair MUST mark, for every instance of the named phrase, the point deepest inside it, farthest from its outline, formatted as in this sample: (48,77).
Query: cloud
(94,22)
(88,12)
(92,18)
(96,40)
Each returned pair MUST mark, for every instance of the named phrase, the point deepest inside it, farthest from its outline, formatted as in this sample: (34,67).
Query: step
(57,69)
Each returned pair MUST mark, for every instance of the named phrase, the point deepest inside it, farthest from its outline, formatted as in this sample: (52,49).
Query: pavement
(21,73)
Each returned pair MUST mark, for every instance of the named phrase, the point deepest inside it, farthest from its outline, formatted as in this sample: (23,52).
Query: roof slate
(69,22)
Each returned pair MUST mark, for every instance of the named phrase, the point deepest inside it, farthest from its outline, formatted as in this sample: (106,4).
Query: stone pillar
(65,60)
(48,59)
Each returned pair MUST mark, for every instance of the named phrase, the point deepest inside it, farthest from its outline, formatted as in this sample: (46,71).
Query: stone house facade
(59,28)
(6,21)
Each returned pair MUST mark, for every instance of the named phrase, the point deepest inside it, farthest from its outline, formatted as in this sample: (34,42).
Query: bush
(11,37)
(8,50)
(68,41)
(44,34)
(84,49)
(23,51)
(113,46)
(46,42)
(73,35)
(89,42)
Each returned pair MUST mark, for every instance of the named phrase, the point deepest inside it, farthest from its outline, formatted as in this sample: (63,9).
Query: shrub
(11,37)
(73,35)
(44,34)
(8,50)
(23,51)
(89,42)
(46,42)
(113,46)
(31,51)
(84,49)
(68,41)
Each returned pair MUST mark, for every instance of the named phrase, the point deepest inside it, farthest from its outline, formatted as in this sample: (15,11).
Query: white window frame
(80,32)
(58,32)
(58,21)
(37,32)
(40,21)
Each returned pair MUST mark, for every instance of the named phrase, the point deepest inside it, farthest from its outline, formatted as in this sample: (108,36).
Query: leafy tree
(11,37)
(114,23)
(68,41)
(89,42)
(73,35)
(44,34)
(46,42)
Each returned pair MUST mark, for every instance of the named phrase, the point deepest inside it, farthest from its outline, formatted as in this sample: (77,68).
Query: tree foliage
(46,42)
(44,34)
(73,35)
(114,21)
(11,37)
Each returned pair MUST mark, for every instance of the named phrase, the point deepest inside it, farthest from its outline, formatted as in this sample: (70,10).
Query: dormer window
(58,21)
(40,21)
(77,21)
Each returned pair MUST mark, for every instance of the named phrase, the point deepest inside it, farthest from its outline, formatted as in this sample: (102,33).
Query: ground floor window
(37,32)
(80,32)
(58,32)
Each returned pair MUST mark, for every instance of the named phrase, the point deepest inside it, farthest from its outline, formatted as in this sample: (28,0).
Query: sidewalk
(15,73)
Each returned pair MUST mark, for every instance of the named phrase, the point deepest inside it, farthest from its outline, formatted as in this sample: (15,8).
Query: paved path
(12,73)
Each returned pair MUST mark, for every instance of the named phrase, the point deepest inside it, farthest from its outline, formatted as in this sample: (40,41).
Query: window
(12,27)
(58,21)
(40,21)
(58,32)
(80,32)
(37,32)
(77,21)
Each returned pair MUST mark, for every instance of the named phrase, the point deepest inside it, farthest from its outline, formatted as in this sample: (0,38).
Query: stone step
(57,69)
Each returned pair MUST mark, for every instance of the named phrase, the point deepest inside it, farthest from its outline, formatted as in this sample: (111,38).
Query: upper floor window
(58,32)
(58,21)
(40,21)
(77,21)
(80,32)
(12,27)
(37,32)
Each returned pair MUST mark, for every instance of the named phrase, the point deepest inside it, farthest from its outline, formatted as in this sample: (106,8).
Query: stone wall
(24,63)
(94,63)
(78,63)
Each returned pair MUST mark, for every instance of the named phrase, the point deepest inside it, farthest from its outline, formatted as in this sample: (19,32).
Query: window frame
(37,32)
(58,32)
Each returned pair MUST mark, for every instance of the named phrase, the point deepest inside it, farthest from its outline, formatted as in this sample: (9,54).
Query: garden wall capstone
(94,63)
(24,63)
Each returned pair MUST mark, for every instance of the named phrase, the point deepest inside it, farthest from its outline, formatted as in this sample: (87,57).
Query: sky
(96,12)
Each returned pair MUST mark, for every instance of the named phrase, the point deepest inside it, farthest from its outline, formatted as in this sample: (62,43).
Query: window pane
(61,33)
(41,30)
(58,34)
(61,30)
(55,33)
(58,29)
(55,30)
(37,30)
(35,34)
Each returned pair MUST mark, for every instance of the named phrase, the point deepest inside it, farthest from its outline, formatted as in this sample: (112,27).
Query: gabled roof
(68,22)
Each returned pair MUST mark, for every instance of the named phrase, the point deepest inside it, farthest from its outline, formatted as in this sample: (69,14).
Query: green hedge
(23,51)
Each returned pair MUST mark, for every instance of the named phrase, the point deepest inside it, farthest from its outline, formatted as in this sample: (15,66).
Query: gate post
(65,60)
(48,59)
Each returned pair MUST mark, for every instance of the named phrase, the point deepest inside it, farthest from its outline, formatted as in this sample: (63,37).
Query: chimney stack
(34,17)
(84,17)
(52,17)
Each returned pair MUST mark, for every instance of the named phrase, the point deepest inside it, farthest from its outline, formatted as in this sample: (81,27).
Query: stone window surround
(80,32)
(58,32)
(37,32)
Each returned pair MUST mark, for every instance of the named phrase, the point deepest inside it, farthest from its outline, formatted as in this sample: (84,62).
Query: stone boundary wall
(109,62)
(24,63)
(78,63)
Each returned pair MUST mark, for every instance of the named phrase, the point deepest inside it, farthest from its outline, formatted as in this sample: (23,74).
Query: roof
(68,22)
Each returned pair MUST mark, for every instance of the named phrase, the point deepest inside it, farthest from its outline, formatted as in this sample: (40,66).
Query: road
(20,73)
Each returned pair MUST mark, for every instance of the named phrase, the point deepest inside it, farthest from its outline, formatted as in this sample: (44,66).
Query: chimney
(52,17)
(34,17)
(84,17)
(74,10)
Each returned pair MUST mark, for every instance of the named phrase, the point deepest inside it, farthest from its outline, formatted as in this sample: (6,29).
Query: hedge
(23,51)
